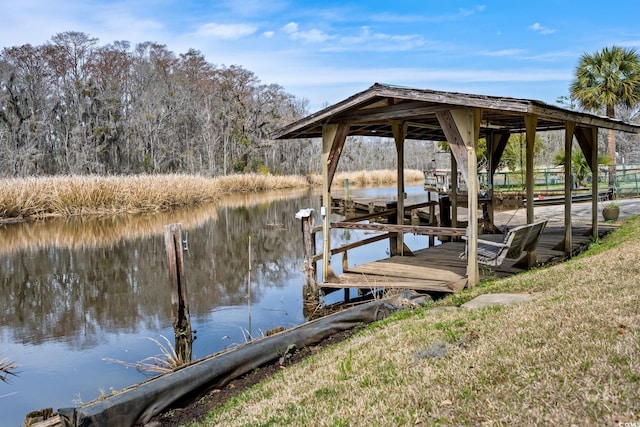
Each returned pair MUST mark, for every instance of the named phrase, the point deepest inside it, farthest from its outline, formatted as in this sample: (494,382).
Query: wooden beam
(336,149)
(496,144)
(399,132)
(462,128)
(530,122)
(568,143)
(582,119)
(458,156)
(585,141)
(456,140)
(395,228)
(588,140)
(403,110)
(500,140)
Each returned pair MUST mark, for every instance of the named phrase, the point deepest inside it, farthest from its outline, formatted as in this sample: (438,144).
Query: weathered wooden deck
(440,269)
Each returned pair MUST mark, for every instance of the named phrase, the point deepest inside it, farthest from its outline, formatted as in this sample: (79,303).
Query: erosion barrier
(138,404)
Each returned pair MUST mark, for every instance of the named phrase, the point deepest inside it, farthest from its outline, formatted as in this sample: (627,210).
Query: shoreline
(33,198)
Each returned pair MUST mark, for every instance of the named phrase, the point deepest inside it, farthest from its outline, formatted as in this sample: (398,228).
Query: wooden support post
(328,134)
(454,191)
(309,244)
(462,129)
(399,132)
(432,220)
(393,219)
(594,180)
(178,285)
(588,140)
(531,123)
(333,139)
(345,261)
(568,144)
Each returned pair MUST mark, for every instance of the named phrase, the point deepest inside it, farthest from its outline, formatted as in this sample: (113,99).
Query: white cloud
(314,35)
(409,76)
(553,56)
(226,31)
(379,42)
(268,34)
(468,12)
(502,52)
(537,27)
(290,28)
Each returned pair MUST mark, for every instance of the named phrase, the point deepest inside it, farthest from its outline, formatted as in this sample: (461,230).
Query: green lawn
(570,357)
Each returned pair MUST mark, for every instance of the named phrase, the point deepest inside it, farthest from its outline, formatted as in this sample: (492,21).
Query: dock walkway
(440,269)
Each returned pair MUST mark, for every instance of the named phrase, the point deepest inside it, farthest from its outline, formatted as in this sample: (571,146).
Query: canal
(84,299)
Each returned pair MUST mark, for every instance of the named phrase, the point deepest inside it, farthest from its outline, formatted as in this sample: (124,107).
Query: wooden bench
(519,239)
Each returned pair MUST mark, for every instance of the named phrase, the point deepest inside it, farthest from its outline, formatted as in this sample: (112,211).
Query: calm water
(76,292)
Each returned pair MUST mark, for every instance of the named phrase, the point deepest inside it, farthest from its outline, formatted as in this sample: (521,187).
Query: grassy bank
(112,195)
(570,357)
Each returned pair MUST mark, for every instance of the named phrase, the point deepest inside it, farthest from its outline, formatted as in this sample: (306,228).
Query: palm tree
(607,79)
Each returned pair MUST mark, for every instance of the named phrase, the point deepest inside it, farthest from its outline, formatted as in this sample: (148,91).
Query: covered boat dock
(461,119)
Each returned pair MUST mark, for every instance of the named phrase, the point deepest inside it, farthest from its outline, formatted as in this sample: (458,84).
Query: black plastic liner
(137,405)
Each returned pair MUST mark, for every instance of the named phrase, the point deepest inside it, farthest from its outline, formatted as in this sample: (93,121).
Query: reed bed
(105,231)
(92,195)
(253,183)
(373,178)
(68,196)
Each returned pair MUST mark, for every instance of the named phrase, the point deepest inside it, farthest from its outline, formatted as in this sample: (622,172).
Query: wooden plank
(55,421)
(359,282)
(407,272)
(439,269)
(415,229)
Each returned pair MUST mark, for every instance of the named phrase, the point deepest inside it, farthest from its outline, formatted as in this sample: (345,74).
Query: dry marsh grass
(112,195)
(7,368)
(372,178)
(107,231)
(69,196)
(569,357)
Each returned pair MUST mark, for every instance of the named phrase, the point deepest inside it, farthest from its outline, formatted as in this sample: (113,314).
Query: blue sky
(326,50)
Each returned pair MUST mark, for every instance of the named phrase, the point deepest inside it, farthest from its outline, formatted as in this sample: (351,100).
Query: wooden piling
(178,285)
(393,219)
(309,244)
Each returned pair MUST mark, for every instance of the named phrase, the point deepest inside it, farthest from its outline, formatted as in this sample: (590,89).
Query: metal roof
(371,112)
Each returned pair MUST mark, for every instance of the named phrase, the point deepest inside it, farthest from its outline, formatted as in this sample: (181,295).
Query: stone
(489,300)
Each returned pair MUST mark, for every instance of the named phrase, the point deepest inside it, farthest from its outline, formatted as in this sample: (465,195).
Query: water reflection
(72,279)
(78,291)
(88,285)
(78,233)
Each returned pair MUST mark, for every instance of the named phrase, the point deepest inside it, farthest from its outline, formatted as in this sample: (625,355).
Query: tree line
(72,106)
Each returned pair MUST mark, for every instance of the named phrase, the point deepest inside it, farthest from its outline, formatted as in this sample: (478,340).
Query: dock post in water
(178,285)
(393,219)
(309,244)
